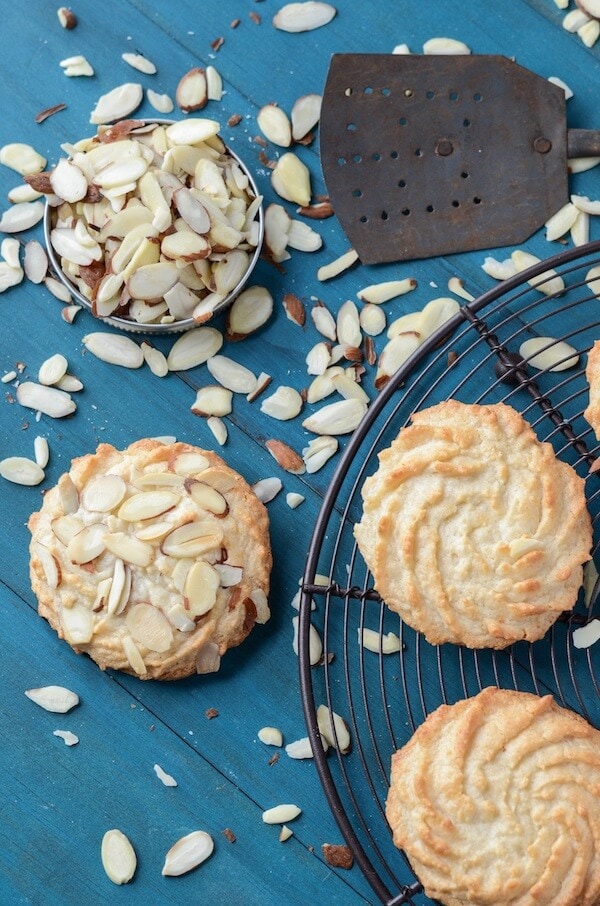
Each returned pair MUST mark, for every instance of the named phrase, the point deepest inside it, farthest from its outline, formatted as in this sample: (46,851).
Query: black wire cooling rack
(383,698)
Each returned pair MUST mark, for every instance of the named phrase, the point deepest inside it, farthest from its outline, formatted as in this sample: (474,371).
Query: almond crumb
(210,713)
(255,17)
(234,23)
(234,119)
(229,835)
(217,43)
(273,759)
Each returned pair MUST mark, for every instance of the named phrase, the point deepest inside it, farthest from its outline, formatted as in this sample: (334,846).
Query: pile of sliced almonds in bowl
(154,226)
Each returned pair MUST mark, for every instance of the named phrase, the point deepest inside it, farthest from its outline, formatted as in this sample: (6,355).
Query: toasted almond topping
(69,498)
(189,852)
(132,653)
(104,493)
(129,548)
(192,539)
(149,627)
(147,505)
(118,857)
(206,497)
(229,575)
(87,544)
(200,590)
(53,698)
(50,565)
(190,463)
(208,659)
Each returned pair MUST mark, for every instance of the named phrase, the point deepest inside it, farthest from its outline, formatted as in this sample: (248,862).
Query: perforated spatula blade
(430,155)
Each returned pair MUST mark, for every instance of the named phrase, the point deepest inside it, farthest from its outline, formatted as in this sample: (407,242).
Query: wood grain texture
(56,802)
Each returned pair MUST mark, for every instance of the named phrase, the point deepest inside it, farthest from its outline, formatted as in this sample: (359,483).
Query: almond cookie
(495,800)
(592,373)
(474,531)
(154,560)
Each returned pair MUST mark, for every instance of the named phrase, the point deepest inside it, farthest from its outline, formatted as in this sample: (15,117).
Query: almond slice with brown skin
(87,544)
(192,539)
(212,400)
(192,91)
(206,497)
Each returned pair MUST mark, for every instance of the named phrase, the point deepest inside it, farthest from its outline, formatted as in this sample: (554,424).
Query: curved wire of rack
(383,697)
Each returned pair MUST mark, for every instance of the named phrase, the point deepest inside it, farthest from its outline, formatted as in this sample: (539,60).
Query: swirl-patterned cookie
(474,531)
(592,373)
(496,800)
(154,560)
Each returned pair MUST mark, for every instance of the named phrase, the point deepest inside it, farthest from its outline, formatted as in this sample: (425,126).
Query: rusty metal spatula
(429,155)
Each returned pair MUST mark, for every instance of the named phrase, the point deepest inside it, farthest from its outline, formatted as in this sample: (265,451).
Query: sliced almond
(187,464)
(147,505)
(381,644)
(192,539)
(297,17)
(318,359)
(548,354)
(77,66)
(206,497)
(192,91)
(580,231)
(294,309)
(274,124)
(208,659)
(279,814)
(445,46)
(68,182)
(200,589)
(250,310)
(548,282)
(378,293)
(322,386)
(302,237)
(285,457)
(132,653)
(457,286)
(290,178)
(347,387)
(499,270)
(104,493)
(284,404)
(68,495)
(161,479)
(77,624)
(48,400)
(66,17)
(262,382)
(189,852)
(114,349)
(348,325)
(334,729)
(66,527)
(129,548)
(338,266)
(285,833)
(394,355)
(67,737)
(266,489)
(22,216)
(336,418)
(42,451)
(231,374)
(149,627)
(318,211)
(52,572)
(561,222)
(160,102)
(21,470)
(192,131)
(87,544)
(194,348)
(372,320)
(164,778)
(212,400)
(139,62)
(318,452)
(306,113)
(52,369)
(155,360)
(118,103)
(120,588)
(435,314)
(57,699)
(214,84)
(22,158)
(270,736)
(229,575)
(35,261)
(218,429)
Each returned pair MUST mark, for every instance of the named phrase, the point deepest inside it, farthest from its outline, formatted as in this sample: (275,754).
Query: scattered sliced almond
(556,81)
(315,645)
(274,124)
(118,103)
(57,699)
(189,852)
(194,348)
(77,66)
(302,238)
(23,192)
(301,748)
(161,102)
(212,401)
(305,115)
(318,211)
(49,400)
(380,644)
(279,814)
(250,310)
(294,309)
(42,451)
(378,293)
(457,286)
(52,369)
(140,62)
(548,354)
(67,737)
(266,489)
(341,417)
(561,222)
(372,320)
(155,360)
(231,374)
(318,452)
(548,282)
(334,729)
(297,17)
(114,349)
(586,636)
(214,84)
(284,404)
(165,778)
(21,470)
(445,46)
(285,833)
(338,266)
(270,736)
(294,500)
(290,178)
(580,231)
(118,857)
(285,457)
(22,158)
(499,270)
(394,355)
(192,91)
(22,216)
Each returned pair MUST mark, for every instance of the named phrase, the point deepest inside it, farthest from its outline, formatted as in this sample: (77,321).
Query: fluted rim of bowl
(176,326)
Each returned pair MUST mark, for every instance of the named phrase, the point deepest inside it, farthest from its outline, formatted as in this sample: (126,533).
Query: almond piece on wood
(297,17)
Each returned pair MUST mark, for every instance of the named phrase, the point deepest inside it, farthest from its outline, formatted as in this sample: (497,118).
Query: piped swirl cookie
(474,531)
(154,560)
(496,800)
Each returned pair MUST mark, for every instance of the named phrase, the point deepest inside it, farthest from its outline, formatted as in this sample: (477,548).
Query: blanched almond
(118,103)
(231,374)
(114,349)
(284,404)
(250,310)
(104,493)
(87,544)
(149,626)
(192,539)
(336,418)
(22,216)
(49,400)
(548,282)
(22,158)
(290,178)
(57,699)
(297,17)
(305,115)
(200,589)
(274,124)
(549,354)
(147,505)
(194,348)
(21,470)
(129,548)
(338,266)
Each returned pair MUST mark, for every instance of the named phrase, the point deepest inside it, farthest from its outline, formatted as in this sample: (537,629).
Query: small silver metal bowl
(176,326)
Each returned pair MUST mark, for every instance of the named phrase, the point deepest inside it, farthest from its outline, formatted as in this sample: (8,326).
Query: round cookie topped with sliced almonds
(153,560)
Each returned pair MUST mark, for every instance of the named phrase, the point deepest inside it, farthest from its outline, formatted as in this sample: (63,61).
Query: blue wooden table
(57,801)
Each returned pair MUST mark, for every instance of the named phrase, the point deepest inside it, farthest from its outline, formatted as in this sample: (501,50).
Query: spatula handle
(583,143)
